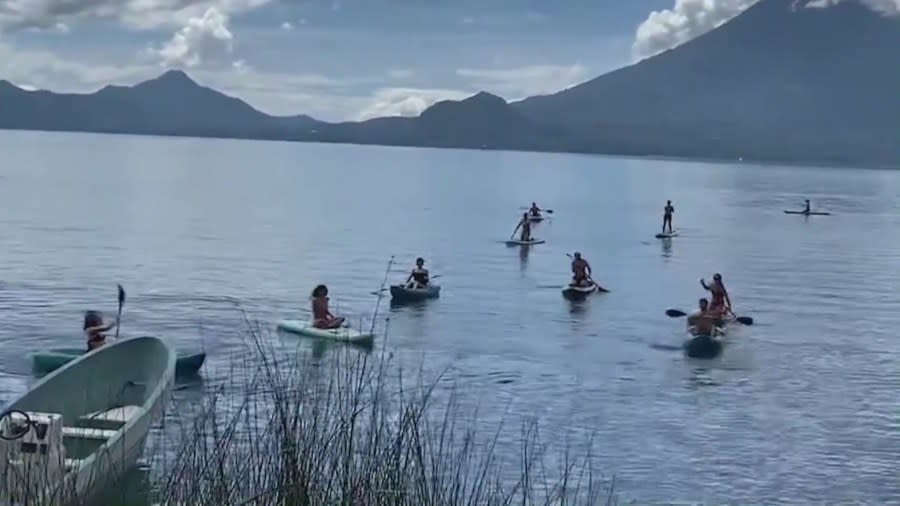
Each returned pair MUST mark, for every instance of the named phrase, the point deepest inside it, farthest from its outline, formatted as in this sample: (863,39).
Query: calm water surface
(803,407)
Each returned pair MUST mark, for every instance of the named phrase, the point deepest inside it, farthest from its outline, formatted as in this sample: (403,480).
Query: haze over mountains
(780,82)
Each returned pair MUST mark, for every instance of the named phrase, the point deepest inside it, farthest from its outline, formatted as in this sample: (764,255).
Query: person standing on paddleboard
(721,303)
(322,317)
(418,278)
(525,225)
(581,271)
(667,216)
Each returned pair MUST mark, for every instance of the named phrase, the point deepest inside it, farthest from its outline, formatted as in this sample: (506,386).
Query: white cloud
(686,20)
(203,40)
(287,26)
(522,82)
(141,14)
(405,101)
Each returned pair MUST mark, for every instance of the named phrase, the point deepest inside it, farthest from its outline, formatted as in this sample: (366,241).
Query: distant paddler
(668,211)
(581,271)
(535,210)
(525,225)
(418,278)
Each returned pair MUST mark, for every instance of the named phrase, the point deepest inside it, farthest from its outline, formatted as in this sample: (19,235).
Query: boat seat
(120,414)
(87,433)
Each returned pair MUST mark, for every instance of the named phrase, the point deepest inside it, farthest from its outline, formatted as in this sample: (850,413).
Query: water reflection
(666,247)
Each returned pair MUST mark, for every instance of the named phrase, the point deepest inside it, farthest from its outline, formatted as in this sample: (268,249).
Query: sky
(347,59)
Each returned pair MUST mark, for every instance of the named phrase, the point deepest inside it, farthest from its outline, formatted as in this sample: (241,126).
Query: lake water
(802,407)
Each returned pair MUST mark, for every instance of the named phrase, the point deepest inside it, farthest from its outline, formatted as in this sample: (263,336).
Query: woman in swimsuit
(418,278)
(721,303)
(94,329)
(322,317)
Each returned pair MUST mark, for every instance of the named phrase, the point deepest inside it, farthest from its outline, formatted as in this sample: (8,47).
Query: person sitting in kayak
(667,216)
(525,225)
(703,322)
(418,278)
(806,209)
(535,210)
(721,303)
(581,271)
(322,317)
(94,329)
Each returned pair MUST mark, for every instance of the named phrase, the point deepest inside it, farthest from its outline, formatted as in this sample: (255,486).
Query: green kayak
(47,361)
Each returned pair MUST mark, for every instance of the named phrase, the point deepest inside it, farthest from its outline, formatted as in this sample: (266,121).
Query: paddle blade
(746,320)
(121,295)
(674,313)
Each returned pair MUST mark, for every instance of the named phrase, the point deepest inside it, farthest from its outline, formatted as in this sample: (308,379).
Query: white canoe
(84,425)
(305,328)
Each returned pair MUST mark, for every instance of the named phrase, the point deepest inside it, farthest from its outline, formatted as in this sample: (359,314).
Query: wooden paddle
(121,303)
(675,313)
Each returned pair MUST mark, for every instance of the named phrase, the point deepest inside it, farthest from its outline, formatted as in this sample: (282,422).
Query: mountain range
(781,82)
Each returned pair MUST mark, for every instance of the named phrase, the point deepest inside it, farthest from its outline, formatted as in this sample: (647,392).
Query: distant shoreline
(762,162)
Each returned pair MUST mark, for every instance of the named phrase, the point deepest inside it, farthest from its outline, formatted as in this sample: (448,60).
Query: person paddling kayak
(525,225)
(667,216)
(418,278)
(720,303)
(322,317)
(94,329)
(535,210)
(703,322)
(806,209)
(581,271)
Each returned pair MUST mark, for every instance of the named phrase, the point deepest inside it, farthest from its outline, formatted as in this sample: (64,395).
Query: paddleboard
(674,233)
(811,213)
(305,328)
(524,243)
(535,218)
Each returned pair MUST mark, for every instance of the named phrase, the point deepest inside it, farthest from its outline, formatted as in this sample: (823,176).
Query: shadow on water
(415,308)
(666,247)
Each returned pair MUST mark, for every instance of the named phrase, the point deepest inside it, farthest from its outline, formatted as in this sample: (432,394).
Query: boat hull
(401,293)
(47,361)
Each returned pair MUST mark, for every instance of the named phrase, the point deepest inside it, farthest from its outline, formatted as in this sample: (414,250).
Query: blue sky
(343,59)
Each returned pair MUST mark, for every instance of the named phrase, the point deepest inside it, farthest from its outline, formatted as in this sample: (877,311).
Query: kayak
(809,213)
(535,218)
(47,361)
(667,235)
(703,346)
(524,243)
(401,292)
(305,328)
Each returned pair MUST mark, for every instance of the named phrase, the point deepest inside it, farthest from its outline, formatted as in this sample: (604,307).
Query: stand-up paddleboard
(524,243)
(667,235)
(576,292)
(810,213)
(305,328)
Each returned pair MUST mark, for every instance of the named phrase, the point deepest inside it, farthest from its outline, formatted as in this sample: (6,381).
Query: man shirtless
(721,303)
(703,322)
(581,271)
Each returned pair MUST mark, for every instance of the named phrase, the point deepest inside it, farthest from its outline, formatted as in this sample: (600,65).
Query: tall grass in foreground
(347,430)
